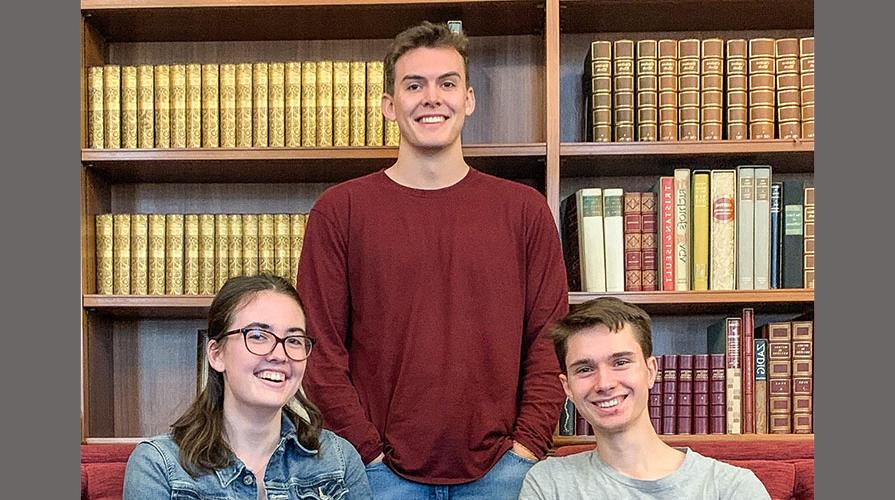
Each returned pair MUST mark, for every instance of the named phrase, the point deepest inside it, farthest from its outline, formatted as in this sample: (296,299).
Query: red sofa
(785,467)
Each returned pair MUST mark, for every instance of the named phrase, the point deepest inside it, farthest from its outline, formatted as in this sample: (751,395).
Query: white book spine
(590,239)
(613,232)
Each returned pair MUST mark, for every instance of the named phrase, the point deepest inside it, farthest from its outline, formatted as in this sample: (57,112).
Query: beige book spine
(105,267)
(292,104)
(156,254)
(121,227)
(281,245)
(178,106)
(374,103)
(260,73)
(357,109)
(162,82)
(211,134)
(129,107)
(228,105)
(325,103)
(221,249)
(341,103)
(193,105)
(191,254)
(297,223)
(276,101)
(722,275)
(682,229)
(95,107)
(112,106)
(392,133)
(145,106)
(139,254)
(244,105)
(206,254)
(234,259)
(308,104)
(174,254)
(266,244)
(250,244)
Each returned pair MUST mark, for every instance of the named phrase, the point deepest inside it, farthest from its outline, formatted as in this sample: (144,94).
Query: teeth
(608,404)
(272,376)
(432,119)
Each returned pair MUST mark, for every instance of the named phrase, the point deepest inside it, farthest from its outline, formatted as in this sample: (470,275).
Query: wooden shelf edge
(701,297)
(147,301)
(88,5)
(698,438)
(113,440)
(591,149)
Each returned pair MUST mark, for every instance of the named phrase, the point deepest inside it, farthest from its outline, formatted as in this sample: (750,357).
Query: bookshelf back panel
(215,198)
(506,72)
(687,334)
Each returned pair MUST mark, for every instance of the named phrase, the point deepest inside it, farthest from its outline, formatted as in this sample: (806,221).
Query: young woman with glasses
(242,437)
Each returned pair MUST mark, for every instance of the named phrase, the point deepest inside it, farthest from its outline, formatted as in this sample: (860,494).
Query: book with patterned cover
(682,229)
(112,106)
(234,245)
(392,133)
(281,246)
(121,230)
(647,91)
(701,223)
(688,89)
(761,253)
(297,223)
(748,335)
(174,255)
(809,238)
(244,75)
(206,254)
(761,88)
(802,376)
(789,109)
(292,104)
(717,393)
(722,274)
(324,103)
(655,397)
(665,243)
(375,82)
(191,254)
(228,105)
(685,394)
(129,99)
(806,86)
(623,90)
(599,91)
(250,244)
(276,102)
(177,105)
(711,90)
(761,386)
(700,394)
(105,267)
(211,133)
(341,88)
(737,92)
(793,234)
(614,239)
(193,105)
(145,106)
(156,254)
(221,250)
(779,335)
(726,337)
(669,394)
(260,127)
(95,107)
(266,244)
(667,60)
(357,108)
(308,103)
(745,226)
(162,104)
(633,232)
(649,260)
(139,254)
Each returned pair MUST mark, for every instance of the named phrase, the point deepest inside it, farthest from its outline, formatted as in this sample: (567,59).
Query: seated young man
(605,353)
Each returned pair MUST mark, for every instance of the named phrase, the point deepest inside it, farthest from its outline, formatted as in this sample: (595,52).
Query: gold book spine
(121,227)
(374,103)
(105,256)
(244,105)
(266,243)
(292,104)
(357,109)
(156,254)
(178,106)
(191,254)
(235,246)
(221,250)
(112,106)
(250,244)
(297,223)
(206,254)
(308,104)
(174,254)
(95,107)
(193,106)
(139,254)
(259,105)
(228,105)
(325,103)
(145,106)
(275,105)
(210,106)
(341,100)
(162,84)
(281,245)
(129,107)
(392,133)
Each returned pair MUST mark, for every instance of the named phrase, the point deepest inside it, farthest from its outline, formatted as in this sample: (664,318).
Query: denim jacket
(334,472)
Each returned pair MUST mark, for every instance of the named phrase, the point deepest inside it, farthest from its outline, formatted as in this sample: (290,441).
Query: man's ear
(470,101)
(388,106)
(214,351)
(653,367)
(564,380)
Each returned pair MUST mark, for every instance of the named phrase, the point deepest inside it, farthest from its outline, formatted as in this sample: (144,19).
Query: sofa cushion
(779,478)
(102,470)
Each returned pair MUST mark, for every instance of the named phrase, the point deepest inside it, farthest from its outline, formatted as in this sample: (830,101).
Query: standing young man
(605,353)
(430,288)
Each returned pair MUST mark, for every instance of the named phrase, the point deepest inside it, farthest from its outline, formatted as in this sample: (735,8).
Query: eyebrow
(441,77)
(590,361)
(265,326)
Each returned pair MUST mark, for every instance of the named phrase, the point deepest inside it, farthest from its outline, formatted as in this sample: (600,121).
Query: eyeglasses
(261,342)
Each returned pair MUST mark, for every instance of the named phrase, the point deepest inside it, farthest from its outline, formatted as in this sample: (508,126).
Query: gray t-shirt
(585,475)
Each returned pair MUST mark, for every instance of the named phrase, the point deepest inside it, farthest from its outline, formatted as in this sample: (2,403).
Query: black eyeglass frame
(277,340)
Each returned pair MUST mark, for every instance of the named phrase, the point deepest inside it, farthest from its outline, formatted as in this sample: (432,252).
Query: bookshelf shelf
(708,302)
(149,306)
(684,439)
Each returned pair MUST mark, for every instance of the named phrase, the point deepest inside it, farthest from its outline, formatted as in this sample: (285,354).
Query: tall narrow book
(139,254)
(623,90)
(324,103)
(591,239)
(250,244)
(281,245)
(809,238)
(191,254)
(95,107)
(234,245)
(178,105)
(221,250)
(649,241)
(260,104)
(761,88)
(761,253)
(722,275)
(156,254)
(667,60)
(276,105)
(806,75)
(174,254)
(665,192)
(600,90)
(717,393)
(308,103)
(292,104)
(669,394)
(105,268)
(701,394)
(789,108)
(647,91)
(633,230)
(745,226)
(701,224)
(193,105)
(341,103)
(711,90)
(211,132)
(357,109)
(266,243)
(162,102)
(688,90)
(297,223)
(375,82)
(748,342)
(111,106)
(802,376)
(129,107)
(761,386)
(793,234)
(737,90)
(145,106)
(685,394)
(681,229)
(613,238)
(779,337)
(244,74)
(725,338)
(776,238)
(121,229)
(655,396)
(206,254)
(227,105)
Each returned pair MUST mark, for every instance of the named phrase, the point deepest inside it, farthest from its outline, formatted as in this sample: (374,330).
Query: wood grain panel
(98,377)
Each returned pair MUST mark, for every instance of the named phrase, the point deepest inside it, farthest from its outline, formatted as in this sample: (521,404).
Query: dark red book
(685,394)
(802,376)
(717,394)
(633,232)
(655,397)
(669,395)
(700,394)
(649,260)
(779,337)
(582,426)
(748,370)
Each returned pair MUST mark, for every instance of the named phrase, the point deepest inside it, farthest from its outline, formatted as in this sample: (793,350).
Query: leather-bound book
(266,243)
(139,254)
(177,105)
(809,238)
(194,105)
(598,91)
(649,260)
(793,234)
(260,109)
(324,103)
(234,247)
(357,107)
(191,254)
(688,89)
(221,250)
(685,394)
(95,107)
(655,396)
(105,254)
(308,103)
(129,121)
(669,394)
(737,90)
(727,337)
(665,198)
(121,229)
(802,376)
(717,393)
(250,244)
(392,133)
(162,106)
(701,382)
(748,335)
(711,90)
(174,254)
(789,109)
(375,86)
(806,75)
(779,335)
(633,228)
(211,132)
(111,106)
(292,104)
(647,91)
(227,92)
(276,105)
(206,254)
(667,60)
(156,270)
(244,77)
(623,90)
(145,106)
(341,103)
(761,88)
(281,245)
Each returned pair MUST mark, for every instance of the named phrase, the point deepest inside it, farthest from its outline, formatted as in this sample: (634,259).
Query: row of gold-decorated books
(192,254)
(263,104)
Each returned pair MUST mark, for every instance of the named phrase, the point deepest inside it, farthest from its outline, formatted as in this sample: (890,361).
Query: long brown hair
(199,431)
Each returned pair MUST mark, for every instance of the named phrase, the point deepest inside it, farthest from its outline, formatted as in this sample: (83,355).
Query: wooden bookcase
(526,62)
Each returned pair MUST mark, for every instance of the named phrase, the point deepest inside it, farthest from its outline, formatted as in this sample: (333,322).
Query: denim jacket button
(248,480)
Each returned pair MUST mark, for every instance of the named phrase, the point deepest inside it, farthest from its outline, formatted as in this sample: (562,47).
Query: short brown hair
(428,35)
(608,311)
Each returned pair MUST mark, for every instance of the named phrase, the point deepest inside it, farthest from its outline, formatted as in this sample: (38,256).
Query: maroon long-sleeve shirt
(431,310)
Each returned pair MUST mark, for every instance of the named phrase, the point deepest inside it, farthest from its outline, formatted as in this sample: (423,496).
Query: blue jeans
(502,482)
